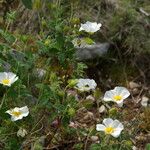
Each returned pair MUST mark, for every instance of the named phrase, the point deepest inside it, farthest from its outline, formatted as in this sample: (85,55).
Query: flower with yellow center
(118,94)
(117,97)
(5,81)
(109,126)
(18,113)
(109,130)
(7,78)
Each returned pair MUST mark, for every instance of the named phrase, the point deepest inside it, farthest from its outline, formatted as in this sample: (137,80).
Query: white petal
(125,94)
(122,91)
(24,111)
(99,25)
(108,95)
(2,76)
(11,75)
(116,133)
(88,22)
(14,80)
(100,127)
(120,103)
(107,122)
(16,109)
(9,112)
(81,28)
(118,90)
(117,124)
(120,126)
(14,118)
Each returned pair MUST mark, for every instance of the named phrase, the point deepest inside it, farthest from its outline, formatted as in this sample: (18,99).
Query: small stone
(144,101)
(90,97)
(89,115)
(94,138)
(135,91)
(93,51)
(102,109)
(134,148)
(73,125)
(133,85)
(55,123)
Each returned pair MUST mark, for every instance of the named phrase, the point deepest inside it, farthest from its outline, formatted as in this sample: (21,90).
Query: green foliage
(148,146)
(57,44)
(110,146)
(27,3)
(128,27)
(7,36)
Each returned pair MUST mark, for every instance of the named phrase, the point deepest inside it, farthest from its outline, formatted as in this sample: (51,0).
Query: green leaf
(89,41)
(95,147)
(27,3)
(148,146)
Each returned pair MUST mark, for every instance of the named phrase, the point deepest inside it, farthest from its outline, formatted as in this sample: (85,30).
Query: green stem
(3,99)
(107,140)
(7,27)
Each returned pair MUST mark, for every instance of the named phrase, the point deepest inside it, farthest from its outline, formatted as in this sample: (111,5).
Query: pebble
(90,97)
(102,109)
(144,101)
(133,85)
(134,148)
(135,91)
(94,138)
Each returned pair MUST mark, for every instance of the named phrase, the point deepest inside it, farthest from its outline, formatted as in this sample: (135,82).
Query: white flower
(109,126)
(7,78)
(118,94)
(22,132)
(86,85)
(90,27)
(18,113)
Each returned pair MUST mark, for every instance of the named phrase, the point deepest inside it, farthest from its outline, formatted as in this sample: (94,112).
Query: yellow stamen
(5,81)
(16,113)
(109,130)
(117,97)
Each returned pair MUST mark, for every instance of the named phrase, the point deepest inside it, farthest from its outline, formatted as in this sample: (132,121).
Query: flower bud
(128,143)
(72,82)
(71,111)
(113,111)
(47,42)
